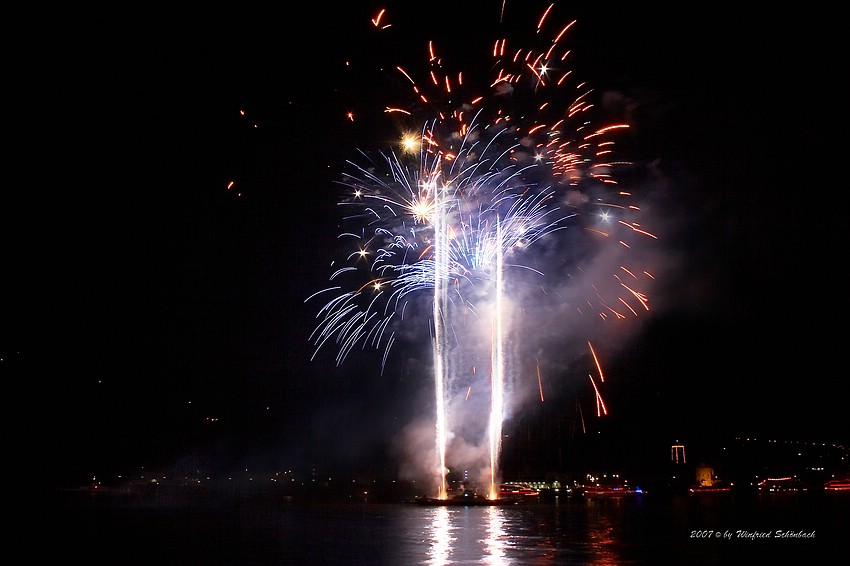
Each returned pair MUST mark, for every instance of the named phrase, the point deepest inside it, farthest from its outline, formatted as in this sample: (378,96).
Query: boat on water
(837,485)
(619,490)
(464,498)
(779,484)
(517,490)
(607,485)
(697,489)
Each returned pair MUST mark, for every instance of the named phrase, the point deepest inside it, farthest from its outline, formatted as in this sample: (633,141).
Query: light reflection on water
(501,536)
(495,541)
(440,535)
(601,532)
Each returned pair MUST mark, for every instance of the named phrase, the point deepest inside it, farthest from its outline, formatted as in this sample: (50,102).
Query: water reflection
(440,536)
(587,532)
(495,542)
(575,530)
(466,535)
(600,535)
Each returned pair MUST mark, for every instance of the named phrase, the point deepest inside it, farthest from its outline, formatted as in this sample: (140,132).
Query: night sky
(153,316)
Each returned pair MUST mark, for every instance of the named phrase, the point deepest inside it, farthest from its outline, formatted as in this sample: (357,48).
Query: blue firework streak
(393,201)
(519,148)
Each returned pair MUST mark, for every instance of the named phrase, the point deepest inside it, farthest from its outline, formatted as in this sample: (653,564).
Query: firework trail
(497,372)
(497,169)
(441,269)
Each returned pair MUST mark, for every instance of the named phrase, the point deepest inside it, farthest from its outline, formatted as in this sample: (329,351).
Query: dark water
(681,529)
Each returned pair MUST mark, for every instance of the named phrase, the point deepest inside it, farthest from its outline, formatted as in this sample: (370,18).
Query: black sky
(145,298)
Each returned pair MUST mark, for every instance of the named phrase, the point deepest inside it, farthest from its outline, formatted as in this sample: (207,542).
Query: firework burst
(448,218)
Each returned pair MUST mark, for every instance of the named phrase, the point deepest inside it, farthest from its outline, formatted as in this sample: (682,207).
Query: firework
(494,171)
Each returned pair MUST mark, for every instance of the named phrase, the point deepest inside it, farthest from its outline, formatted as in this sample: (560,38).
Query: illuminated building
(677,454)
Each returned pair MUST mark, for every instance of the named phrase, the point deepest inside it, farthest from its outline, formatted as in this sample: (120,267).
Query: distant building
(705,476)
(677,454)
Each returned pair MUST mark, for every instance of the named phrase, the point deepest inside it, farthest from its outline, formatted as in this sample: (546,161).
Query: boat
(837,485)
(607,485)
(517,490)
(476,501)
(619,490)
(787,483)
(464,498)
(709,489)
